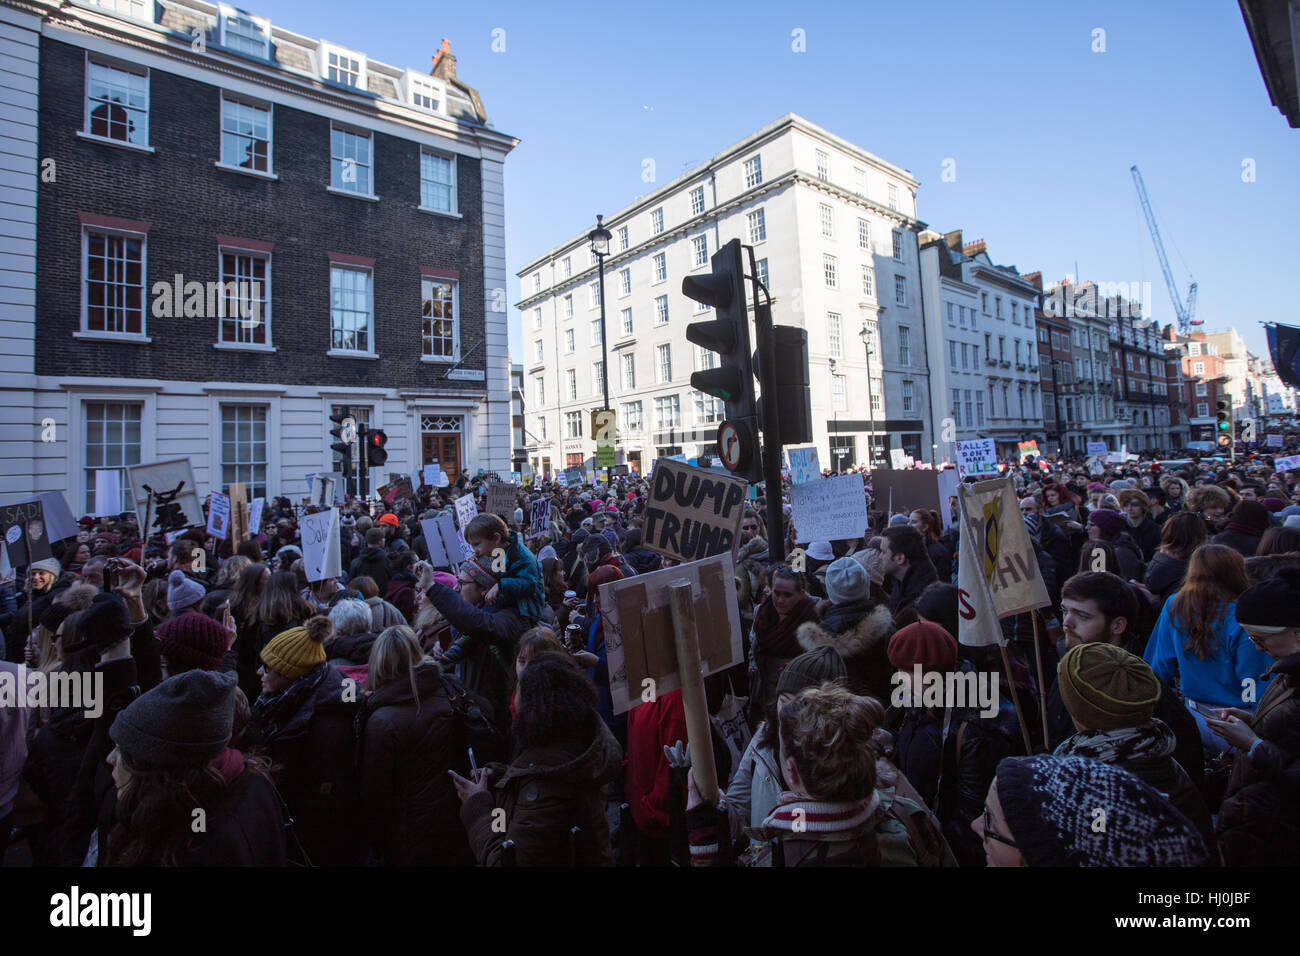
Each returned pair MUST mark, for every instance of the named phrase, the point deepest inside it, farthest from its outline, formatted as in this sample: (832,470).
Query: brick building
(246,230)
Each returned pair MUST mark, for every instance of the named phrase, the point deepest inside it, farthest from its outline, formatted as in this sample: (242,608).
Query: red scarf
(776,635)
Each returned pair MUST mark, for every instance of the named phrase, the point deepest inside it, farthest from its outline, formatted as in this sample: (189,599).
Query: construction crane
(1186,313)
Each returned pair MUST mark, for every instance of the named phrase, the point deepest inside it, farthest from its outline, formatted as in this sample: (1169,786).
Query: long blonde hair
(395,654)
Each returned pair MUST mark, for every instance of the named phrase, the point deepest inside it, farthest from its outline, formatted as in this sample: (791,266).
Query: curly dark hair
(555,698)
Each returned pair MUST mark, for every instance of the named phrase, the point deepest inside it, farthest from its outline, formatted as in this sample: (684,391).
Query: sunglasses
(991,834)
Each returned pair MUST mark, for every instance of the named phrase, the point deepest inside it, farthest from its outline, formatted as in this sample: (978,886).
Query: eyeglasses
(991,834)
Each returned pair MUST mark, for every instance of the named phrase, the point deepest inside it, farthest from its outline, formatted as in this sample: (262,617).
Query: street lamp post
(865,335)
(599,239)
(835,412)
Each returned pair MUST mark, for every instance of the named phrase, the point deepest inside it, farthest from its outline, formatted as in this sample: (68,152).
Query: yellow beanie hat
(298,650)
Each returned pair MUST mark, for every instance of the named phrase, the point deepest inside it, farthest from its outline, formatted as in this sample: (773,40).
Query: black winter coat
(371,563)
(1241,542)
(861,636)
(313,747)
(409,806)
(1164,575)
(53,762)
(643,560)
(1146,536)
(1259,821)
(488,665)
(903,594)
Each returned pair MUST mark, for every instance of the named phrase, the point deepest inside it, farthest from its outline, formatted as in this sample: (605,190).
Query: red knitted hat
(924,643)
(191,642)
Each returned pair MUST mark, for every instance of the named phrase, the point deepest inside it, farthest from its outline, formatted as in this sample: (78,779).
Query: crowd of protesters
(402,713)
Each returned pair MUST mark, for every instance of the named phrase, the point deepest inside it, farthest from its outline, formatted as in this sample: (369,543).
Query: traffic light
(1223,427)
(794,404)
(375,453)
(345,431)
(732,380)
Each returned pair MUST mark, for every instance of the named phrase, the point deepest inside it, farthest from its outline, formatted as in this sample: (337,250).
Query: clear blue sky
(1042,129)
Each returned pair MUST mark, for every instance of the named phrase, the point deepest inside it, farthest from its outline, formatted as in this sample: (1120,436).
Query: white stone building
(834,235)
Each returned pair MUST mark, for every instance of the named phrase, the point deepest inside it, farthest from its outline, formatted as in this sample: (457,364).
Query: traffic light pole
(771,424)
(363,463)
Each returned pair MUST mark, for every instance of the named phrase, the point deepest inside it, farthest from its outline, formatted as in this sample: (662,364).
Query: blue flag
(1284,347)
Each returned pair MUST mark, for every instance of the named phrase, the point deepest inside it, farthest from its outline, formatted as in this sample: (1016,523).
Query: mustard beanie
(1104,687)
(299,650)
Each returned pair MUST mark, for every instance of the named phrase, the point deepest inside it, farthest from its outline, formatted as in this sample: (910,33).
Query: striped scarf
(795,815)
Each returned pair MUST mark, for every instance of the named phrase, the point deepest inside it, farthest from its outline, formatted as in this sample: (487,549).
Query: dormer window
(245,33)
(137,9)
(424,92)
(339,65)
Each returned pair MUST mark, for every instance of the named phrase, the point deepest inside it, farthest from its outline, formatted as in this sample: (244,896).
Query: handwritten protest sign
(164,477)
(321,555)
(693,513)
(803,464)
(638,628)
(23,526)
(540,521)
(1286,464)
(502,498)
(1028,448)
(829,509)
(898,458)
(1098,448)
(1274,440)
(255,516)
(218,515)
(431,475)
(978,456)
(466,509)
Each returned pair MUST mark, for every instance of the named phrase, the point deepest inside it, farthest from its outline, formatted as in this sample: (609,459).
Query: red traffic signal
(376,455)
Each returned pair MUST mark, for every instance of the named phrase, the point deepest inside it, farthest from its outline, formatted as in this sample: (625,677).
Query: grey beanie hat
(183,722)
(50,565)
(847,581)
(183,592)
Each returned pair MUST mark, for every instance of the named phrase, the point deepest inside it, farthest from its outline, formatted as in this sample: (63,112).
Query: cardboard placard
(638,627)
(255,516)
(948,482)
(446,546)
(1273,440)
(1097,448)
(165,478)
(466,509)
(693,513)
(1028,448)
(803,465)
(218,515)
(898,458)
(502,499)
(24,530)
(238,512)
(829,509)
(573,476)
(1286,464)
(978,456)
(322,556)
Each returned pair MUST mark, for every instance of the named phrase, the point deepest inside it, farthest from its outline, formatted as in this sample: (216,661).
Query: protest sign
(255,516)
(692,513)
(446,546)
(1097,448)
(803,464)
(948,481)
(431,474)
(108,492)
(1028,448)
(540,522)
(1286,464)
(321,554)
(23,527)
(466,509)
(998,567)
(238,512)
(638,627)
(829,509)
(218,515)
(1274,440)
(175,497)
(905,491)
(502,499)
(898,458)
(562,479)
(574,475)
(978,457)
(516,478)
(322,490)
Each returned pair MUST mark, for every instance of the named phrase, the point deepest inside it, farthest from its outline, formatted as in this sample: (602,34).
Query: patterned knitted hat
(297,651)
(1104,687)
(1075,811)
(182,591)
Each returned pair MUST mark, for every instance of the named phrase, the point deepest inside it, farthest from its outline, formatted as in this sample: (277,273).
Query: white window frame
(697,194)
(145,298)
(363,77)
(699,251)
(269,109)
(834,335)
(822,162)
(659,265)
(568,306)
(663,312)
(593,295)
(674,404)
(624,282)
(622,239)
(826,212)
(909,396)
(626,317)
(264,317)
(900,291)
(664,363)
(754,171)
(570,340)
(566,267)
(227,13)
(597,374)
(756,218)
(453,201)
(656,221)
(830,271)
(597,334)
(633,417)
(1198,368)
(571,380)
(573,424)
(108,63)
(539,351)
(898,250)
(268,440)
(145,404)
(905,345)
(455,320)
(1202,409)
(370,325)
(422,84)
(344,189)
(892,194)
(839,393)
(869,281)
(864,234)
(537,319)
(1202,389)
(629,370)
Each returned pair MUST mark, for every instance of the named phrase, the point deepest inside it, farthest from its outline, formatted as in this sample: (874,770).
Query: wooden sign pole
(1042,687)
(686,641)
(1015,699)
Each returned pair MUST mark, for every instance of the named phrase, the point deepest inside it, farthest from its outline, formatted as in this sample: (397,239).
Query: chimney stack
(973,248)
(444,64)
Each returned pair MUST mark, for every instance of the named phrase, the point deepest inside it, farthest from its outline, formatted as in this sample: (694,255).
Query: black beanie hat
(1272,603)
(105,623)
(1250,514)
(54,616)
(183,722)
